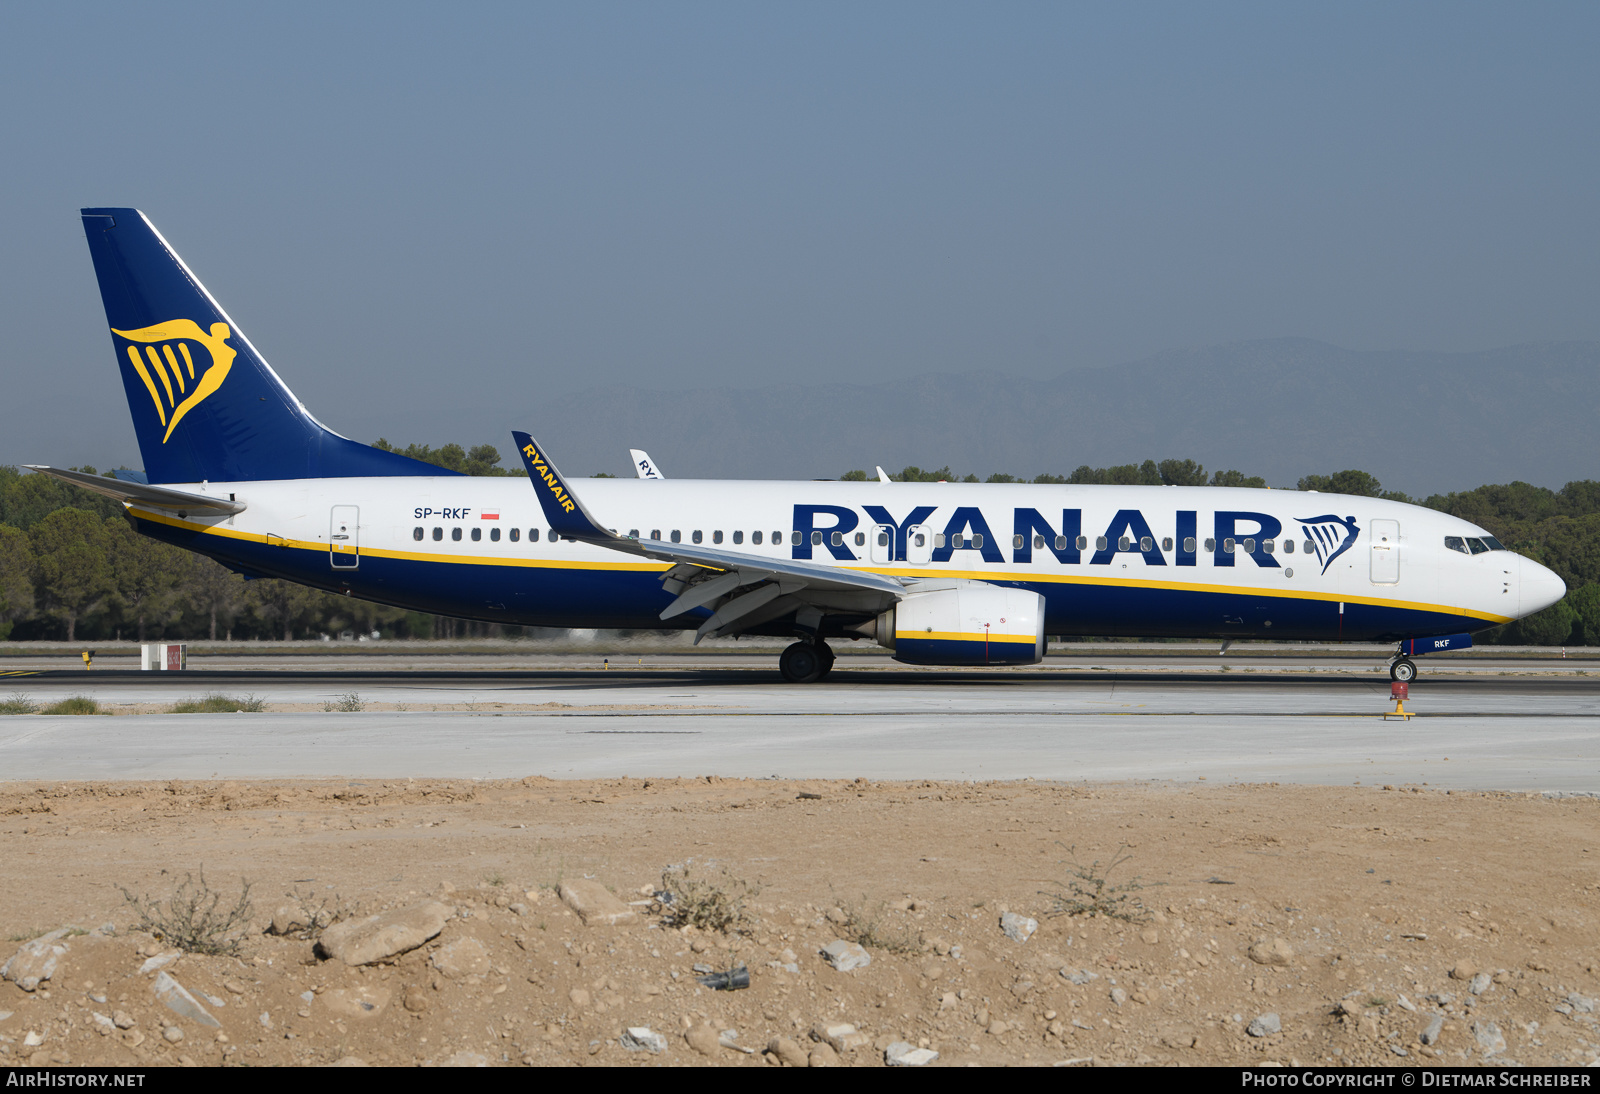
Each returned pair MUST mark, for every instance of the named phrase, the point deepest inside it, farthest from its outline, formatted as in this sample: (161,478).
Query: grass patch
(194,918)
(709,904)
(869,926)
(349,701)
(18,704)
(220,704)
(77,704)
(1089,890)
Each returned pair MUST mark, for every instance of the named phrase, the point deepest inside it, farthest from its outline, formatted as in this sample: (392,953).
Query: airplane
(958,574)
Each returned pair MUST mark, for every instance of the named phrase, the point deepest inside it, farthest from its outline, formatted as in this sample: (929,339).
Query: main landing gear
(806,662)
(1403,670)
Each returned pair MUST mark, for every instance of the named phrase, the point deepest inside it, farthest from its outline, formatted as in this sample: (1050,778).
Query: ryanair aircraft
(941,573)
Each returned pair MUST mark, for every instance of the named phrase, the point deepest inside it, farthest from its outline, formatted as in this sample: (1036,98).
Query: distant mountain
(1420,422)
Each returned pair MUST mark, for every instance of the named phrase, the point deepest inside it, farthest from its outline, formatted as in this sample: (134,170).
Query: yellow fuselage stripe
(1031,577)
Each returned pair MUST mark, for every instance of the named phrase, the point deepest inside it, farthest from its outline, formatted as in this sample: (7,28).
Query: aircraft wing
(159,496)
(745,589)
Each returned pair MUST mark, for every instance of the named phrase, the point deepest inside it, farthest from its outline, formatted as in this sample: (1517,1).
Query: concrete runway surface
(1534,730)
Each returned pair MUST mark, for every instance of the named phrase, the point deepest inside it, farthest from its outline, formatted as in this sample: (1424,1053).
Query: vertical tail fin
(205,405)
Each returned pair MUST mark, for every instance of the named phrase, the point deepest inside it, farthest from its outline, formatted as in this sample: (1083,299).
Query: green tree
(480,460)
(215,591)
(1238,478)
(853,476)
(145,574)
(1181,473)
(1585,603)
(72,563)
(282,605)
(16,577)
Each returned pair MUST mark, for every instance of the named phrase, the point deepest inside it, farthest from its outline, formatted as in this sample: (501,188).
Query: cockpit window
(1493,544)
(1456,543)
(1478,546)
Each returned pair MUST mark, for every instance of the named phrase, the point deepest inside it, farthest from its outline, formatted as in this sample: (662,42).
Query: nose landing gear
(805,662)
(1402,670)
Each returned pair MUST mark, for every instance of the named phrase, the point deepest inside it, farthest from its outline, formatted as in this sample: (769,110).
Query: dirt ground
(1352,915)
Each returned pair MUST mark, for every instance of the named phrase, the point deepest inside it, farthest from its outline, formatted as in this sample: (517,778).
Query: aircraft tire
(801,664)
(1403,669)
(827,660)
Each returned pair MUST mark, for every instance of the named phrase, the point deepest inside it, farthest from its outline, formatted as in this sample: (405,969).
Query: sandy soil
(1385,906)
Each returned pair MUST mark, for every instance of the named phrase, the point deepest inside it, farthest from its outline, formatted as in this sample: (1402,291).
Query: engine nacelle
(971,624)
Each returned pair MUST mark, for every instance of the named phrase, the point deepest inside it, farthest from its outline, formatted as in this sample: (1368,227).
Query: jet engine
(972,623)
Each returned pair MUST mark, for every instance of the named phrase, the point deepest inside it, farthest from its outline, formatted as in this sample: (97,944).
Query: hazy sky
(421,214)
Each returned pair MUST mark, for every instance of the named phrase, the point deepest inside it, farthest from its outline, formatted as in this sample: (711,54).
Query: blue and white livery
(942,573)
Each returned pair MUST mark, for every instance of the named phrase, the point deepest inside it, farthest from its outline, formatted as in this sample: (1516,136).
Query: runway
(1528,732)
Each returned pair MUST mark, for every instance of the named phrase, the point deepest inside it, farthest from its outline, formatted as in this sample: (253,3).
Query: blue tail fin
(205,405)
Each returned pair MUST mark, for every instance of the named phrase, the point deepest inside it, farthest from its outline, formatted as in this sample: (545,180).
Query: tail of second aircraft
(205,405)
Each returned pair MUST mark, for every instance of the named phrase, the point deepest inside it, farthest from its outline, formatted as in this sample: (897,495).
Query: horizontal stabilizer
(127,491)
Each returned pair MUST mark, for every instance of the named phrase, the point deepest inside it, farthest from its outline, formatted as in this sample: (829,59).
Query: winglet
(643,465)
(562,509)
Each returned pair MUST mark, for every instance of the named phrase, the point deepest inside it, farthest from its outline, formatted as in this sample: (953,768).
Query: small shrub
(77,704)
(707,904)
(350,701)
(18,704)
(869,927)
(219,704)
(1089,891)
(318,912)
(194,918)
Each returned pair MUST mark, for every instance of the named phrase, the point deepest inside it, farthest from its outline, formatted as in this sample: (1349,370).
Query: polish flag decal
(488,514)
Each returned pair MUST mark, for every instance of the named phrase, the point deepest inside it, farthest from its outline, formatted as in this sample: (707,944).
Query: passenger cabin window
(1124,543)
(1308,547)
(698,536)
(438,534)
(716,537)
(1146,543)
(861,539)
(794,538)
(1211,545)
(1270,546)
(1227,546)
(533,535)
(1099,543)
(677,535)
(455,533)
(1288,546)
(1166,544)
(738,537)
(1249,546)
(777,538)
(516,534)
(755,537)
(837,539)
(494,535)
(416,533)
(1188,545)
(477,534)
(1061,543)
(655,533)
(938,539)
(1083,543)
(816,539)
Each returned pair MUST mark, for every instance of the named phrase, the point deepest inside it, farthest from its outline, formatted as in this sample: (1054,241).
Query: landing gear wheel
(1403,670)
(827,660)
(801,664)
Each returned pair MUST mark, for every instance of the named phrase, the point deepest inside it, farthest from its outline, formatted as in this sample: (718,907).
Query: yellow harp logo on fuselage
(181,388)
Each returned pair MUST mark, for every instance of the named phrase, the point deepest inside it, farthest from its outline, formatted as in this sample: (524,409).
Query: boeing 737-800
(235,467)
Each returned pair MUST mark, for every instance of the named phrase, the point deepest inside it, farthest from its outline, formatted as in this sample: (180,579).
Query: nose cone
(1540,587)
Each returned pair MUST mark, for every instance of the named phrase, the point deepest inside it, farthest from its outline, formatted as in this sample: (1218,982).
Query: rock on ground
(595,904)
(377,937)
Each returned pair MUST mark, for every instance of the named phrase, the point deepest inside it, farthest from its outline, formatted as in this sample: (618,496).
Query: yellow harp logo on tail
(181,388)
